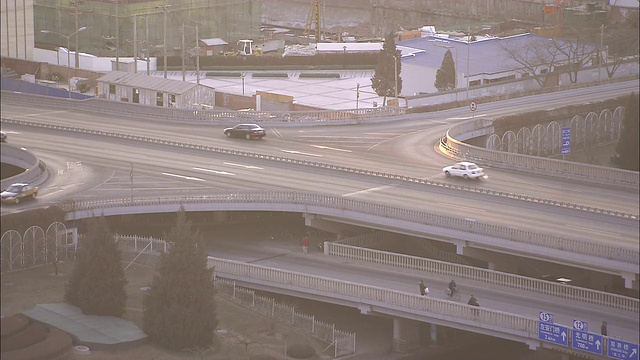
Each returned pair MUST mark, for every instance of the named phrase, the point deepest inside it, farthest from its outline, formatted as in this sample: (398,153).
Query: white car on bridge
(465,169)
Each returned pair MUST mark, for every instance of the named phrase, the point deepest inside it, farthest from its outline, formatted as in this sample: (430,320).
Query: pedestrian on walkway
(603,328)
(473,302)
(423,288)
(305,244)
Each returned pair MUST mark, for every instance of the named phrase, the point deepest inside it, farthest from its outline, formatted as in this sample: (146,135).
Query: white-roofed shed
(153,90)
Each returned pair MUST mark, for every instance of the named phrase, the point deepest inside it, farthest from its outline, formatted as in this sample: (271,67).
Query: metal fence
(35,247)
(344,342)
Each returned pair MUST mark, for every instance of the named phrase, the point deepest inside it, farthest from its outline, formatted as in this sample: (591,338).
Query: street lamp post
(395,67)
(68,51)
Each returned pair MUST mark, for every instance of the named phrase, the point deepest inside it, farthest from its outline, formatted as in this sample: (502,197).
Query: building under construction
(124,25)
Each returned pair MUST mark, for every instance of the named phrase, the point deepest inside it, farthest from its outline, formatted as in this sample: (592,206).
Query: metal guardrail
(397,177)
(104,106)
(515,282)
(35,168)
(537,165)
(596,250)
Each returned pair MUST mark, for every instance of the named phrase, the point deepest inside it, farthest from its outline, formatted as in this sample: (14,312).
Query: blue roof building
(479,62)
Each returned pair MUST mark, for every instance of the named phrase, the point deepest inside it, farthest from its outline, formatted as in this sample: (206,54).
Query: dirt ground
(241,331)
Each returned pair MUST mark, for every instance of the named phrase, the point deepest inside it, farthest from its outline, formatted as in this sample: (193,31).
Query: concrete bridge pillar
(406,335)
(630,281)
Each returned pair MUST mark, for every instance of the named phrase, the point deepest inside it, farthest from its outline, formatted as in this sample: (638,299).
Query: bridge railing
(365,294)
(534,164)
(485,276)
(337,203)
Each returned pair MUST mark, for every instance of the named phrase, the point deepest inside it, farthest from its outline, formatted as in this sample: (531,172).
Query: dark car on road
(247,131)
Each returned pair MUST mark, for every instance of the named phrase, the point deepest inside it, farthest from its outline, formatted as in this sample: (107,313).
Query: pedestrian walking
(473,302)
(603,328)
(305,244)
(423,288)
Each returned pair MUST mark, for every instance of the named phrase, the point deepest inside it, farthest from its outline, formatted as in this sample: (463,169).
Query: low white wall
(90,62)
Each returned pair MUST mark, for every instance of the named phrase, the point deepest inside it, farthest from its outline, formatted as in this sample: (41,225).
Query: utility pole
(183,53)
(117,36)
(197,55)
(600,50)
(468,56)
(395,66)
(135,44)
(164,8)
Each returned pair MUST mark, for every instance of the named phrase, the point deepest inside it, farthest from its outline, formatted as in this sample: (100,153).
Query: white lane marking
(276,132)
(590,229)
(369,190)
(44,113)
(466,117)
(244,166)
(462,206)
(214,171)
(300,153)
(184,177)
(330,148)
(49,194)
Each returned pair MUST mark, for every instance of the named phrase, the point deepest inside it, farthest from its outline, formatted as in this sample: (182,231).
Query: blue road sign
(566,140)
(618,349)
(556,334)
(581,325)
(587,341)
(545,317)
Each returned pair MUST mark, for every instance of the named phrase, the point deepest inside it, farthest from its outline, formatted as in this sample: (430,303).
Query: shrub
(320,75)
(278,75)
(224,74)
(301,351)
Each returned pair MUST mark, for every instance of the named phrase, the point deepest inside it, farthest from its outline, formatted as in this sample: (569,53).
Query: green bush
(301,351)
(320,75)
(224,74)
(264,75)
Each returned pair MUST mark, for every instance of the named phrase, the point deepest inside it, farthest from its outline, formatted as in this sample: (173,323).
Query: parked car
(3,136)
(465,169)
(18,191)
(247,131)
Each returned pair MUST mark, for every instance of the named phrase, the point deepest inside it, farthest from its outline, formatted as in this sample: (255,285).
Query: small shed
(213,46)
(154,91)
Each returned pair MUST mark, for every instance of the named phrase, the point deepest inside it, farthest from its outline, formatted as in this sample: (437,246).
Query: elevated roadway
(403,146)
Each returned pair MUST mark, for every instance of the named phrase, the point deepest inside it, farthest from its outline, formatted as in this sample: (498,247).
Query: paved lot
(334,94)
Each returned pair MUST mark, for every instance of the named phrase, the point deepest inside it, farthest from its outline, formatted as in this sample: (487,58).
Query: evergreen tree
(446,75)
(384,78)
(180,310)
(97,282)
(627,148)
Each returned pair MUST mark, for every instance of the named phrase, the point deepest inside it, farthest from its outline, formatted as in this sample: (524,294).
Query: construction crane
(314,17)
(556,10)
